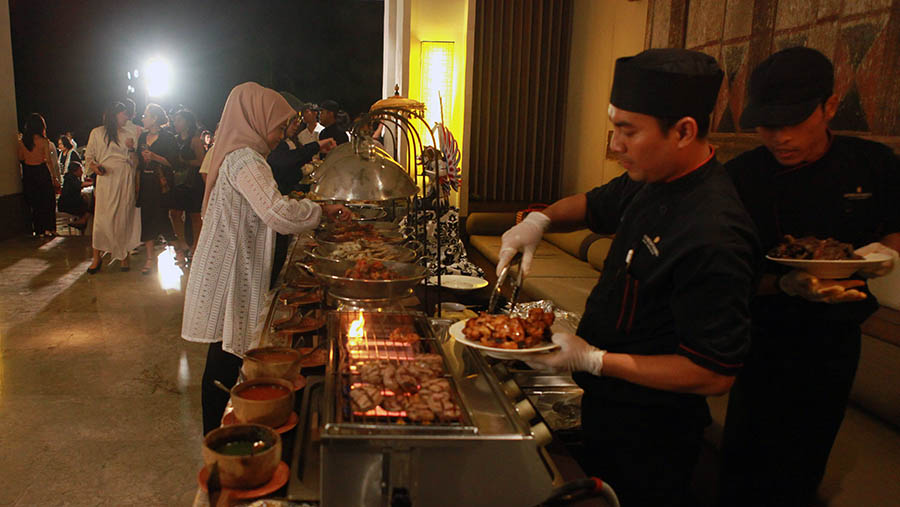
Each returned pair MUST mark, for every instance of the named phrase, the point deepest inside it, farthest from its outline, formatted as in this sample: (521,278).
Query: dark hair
(342,119)
(65,142)
(157,110)
(666,123)
(34,126)
(191,121)
(73,165)
(111,124)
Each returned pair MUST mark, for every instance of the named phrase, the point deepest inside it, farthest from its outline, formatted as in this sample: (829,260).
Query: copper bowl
(272,412)
(278,362)
(244,471)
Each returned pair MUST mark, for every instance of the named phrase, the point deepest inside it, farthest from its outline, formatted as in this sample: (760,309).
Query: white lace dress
(229,277)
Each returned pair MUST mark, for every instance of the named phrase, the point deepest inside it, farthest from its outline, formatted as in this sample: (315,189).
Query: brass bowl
(277,362)
(243,471)
(272,412)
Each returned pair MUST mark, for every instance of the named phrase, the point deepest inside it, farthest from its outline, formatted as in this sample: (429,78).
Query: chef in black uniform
(788,402)
(668,323)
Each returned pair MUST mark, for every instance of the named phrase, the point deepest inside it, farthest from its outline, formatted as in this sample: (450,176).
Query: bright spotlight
(158,74)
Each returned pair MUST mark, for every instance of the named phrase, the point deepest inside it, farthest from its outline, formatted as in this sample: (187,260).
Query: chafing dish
(363,249)
(332,275)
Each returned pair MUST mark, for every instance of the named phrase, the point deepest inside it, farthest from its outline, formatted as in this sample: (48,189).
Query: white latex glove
(804,285)
(574,354)
(523,237)
(878,269)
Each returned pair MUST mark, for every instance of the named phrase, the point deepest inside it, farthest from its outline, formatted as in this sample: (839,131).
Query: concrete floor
(99,395)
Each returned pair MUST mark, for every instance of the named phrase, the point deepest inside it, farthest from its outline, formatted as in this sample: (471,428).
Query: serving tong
(498,287)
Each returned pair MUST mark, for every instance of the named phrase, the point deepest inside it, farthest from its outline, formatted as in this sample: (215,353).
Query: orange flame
(357,329)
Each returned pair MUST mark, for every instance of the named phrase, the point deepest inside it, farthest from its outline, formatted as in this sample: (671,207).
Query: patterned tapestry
(861,37)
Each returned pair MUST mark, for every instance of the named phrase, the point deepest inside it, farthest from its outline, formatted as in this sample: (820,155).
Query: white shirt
(229,278)
(117,222)
(305,136)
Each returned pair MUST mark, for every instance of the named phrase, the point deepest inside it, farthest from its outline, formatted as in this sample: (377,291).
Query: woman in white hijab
(232,263)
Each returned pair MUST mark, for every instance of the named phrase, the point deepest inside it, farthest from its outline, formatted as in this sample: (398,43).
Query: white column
(10,179)
(396,60)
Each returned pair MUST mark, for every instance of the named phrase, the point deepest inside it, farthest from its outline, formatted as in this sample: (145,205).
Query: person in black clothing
(788,402)
(67,153)
(287,161)
(156,178)
(328,115)
(189,186)
(668,323)
(70,200)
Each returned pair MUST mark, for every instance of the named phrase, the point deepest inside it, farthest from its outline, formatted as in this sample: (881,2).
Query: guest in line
(111,157)
(39,180)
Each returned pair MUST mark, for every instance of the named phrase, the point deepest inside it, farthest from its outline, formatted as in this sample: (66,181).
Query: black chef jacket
(851,194)
(677,279)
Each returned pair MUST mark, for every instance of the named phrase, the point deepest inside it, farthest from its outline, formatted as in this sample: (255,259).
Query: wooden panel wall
(520,74)
(861,37)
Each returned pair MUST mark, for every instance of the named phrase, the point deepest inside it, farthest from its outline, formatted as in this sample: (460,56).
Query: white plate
(831,270)
(459,282)
(456,331)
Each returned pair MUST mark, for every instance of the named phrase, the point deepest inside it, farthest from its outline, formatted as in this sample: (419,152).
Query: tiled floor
(99,396)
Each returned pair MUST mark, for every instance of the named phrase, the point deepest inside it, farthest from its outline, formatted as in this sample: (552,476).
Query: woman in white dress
(229,277)
(110,155)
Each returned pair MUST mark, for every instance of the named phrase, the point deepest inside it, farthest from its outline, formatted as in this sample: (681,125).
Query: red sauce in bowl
(261,392)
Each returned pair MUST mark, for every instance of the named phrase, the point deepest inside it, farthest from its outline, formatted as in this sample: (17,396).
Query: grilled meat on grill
(365,397)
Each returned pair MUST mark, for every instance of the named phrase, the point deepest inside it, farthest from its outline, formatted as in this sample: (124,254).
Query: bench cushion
(549,260)
(568,294)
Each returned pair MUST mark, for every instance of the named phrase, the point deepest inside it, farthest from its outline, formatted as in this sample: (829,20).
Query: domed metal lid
(361,171)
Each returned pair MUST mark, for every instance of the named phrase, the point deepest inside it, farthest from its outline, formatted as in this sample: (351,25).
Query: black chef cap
(787,87)
(667,83)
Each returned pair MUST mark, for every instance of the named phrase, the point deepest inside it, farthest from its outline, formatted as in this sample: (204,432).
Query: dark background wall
(71,57)
(861,37)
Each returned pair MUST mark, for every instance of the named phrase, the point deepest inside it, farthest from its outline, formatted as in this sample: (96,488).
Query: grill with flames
(371,452)
(393,373)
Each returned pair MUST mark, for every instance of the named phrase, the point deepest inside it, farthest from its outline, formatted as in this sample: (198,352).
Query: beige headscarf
(251,112)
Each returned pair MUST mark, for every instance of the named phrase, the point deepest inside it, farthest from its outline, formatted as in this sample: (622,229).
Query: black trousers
(646,453)
(224,367)
(37,188)
(785,411)
(282,242)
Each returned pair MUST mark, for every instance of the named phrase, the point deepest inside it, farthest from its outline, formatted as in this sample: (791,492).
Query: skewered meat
(417,409)
(365,397)
(367,269)
(371,372)
(435,394)
(404,336)
(432,362)
(812,248)
(395,403)
(505,332)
